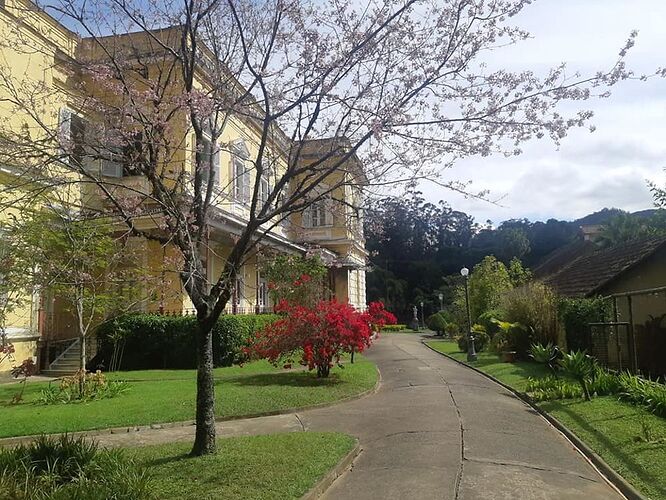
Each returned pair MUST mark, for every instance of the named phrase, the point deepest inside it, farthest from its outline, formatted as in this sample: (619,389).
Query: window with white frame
(262,291)
(318,214)
(240,172)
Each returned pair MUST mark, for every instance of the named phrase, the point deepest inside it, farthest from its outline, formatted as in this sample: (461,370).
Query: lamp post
(471,352)
(422,316)
(441,301)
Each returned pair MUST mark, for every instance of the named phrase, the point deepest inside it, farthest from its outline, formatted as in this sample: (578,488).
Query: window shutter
(307,217)
(216,165)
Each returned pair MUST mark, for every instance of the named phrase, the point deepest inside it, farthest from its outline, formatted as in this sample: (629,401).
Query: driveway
(436,429)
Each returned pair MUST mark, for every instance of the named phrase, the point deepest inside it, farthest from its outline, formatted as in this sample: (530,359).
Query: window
(318,214)
(262,291)
(264,190)
(209,160)
(241,180)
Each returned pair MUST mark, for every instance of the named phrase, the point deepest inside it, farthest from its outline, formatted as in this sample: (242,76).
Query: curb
(325,482)
(596,461)
(10,441)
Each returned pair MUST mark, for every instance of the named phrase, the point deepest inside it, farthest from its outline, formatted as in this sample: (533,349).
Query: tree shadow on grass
(615,448)
(289,379)
(156,462)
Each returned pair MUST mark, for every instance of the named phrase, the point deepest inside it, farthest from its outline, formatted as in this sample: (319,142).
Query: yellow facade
(330,228)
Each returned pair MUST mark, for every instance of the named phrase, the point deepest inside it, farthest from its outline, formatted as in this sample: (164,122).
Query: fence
(636,337)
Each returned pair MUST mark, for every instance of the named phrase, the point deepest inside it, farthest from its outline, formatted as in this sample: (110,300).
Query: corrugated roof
(586,274)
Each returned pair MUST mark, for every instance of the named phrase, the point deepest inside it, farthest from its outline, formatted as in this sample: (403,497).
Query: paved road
(434,429)
(438,430)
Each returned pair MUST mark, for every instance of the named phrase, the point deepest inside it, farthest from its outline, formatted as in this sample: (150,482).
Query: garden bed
(627,437)
(159,396)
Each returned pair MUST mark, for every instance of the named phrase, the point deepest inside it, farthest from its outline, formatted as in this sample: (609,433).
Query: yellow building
(331,228)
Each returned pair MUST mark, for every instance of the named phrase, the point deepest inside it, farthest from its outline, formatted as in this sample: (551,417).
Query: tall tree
(403,82)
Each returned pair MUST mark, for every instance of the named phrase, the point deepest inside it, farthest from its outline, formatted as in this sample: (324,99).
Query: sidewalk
(433,430)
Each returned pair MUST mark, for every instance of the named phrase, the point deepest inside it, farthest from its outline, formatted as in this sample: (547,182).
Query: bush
(549,388)
(647,393)
(318,335)
(534,306)
(437,322)
(82,387)
(577,314)
(153,341)
(451,330)
(66,468)
(489,321)
(481,340)
(581,367)
(511,337)
(394,328)
(544,354)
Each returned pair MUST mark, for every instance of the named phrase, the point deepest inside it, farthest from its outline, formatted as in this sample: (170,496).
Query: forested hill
(418,248)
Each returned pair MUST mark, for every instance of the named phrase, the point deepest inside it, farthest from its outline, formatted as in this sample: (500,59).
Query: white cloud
(608,168)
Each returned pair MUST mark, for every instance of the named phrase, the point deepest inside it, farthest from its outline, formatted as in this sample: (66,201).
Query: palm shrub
(544,354)
(549,388)
(481,339)
(489,321)
(581,367)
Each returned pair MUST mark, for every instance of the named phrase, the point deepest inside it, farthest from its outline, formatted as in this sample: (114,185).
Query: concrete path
(434,430)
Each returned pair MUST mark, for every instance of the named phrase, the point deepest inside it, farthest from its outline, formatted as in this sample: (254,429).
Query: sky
(607,168)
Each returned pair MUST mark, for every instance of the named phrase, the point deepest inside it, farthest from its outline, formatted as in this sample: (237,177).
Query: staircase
(67,363)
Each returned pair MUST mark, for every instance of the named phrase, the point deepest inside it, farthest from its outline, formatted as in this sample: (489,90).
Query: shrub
(577,314)
(437,323)
(549,388)
(320,335)
(544,354)
(489,321)
(581,367)
(378,317)
(534,306)
(511,337)
(153,341)
(65,468)
(82,386)
(296,279)
(451,330)
(394,328)
(647,393)
(481,339)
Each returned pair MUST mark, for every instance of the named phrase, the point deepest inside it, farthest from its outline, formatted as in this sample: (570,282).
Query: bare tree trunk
(82,347)
(204,441)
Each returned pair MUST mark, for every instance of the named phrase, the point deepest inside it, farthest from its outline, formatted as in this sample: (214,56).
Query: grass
(258,467)
(159,396)
(513,374)
(615,430)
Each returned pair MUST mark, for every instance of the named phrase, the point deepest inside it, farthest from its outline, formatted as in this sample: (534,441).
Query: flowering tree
(378,317)
(320,334)
(402,85)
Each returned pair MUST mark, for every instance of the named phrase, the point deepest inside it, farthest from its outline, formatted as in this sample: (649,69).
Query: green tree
(622,228)
(299,280)
(79,261)
(518,274)
(487,283)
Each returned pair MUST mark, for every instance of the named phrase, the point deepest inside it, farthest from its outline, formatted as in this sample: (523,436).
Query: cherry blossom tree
(403,86)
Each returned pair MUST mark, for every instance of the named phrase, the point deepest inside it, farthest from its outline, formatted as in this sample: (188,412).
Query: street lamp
(422,316)
(441,301)
(471,352)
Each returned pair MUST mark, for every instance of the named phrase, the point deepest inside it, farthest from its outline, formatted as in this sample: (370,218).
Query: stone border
(9,441)
(325,482)
(605,470)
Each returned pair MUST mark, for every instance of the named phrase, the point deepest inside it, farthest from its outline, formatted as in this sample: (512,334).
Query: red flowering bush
(378,317)
(321,334)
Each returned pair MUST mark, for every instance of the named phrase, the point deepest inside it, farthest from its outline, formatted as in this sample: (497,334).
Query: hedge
(393,328)
(153,341)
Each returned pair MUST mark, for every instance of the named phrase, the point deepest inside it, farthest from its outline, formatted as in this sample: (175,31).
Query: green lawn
(613,429)
(258,467)
(513,374)
(169,395)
